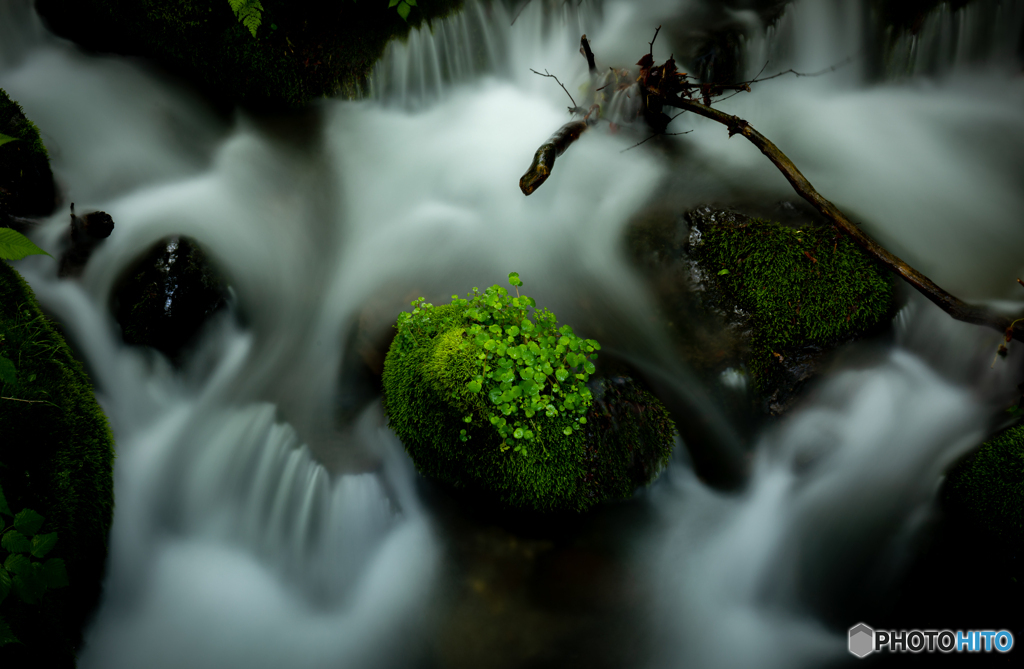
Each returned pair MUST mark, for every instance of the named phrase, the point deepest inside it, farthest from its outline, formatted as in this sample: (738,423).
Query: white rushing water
(233,546)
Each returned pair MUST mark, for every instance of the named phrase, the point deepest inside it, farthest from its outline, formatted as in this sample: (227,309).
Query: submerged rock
(164,299)
(26,182)
(780,297)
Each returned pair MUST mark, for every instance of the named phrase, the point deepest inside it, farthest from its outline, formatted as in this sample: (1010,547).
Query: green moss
(57,458)
(302,50)
(626,441)
(989,485)
(801,287)
(26,182)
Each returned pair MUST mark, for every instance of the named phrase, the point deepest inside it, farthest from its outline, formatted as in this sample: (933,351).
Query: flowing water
(254,528)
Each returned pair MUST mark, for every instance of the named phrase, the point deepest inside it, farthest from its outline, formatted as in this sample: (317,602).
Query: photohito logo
(864,640)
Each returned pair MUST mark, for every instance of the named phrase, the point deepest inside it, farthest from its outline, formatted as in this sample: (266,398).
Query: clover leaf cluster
(525,368)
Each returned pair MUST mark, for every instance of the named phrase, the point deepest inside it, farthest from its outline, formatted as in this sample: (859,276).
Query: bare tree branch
(544,158)
(547,74)
(650,50)
(952,305)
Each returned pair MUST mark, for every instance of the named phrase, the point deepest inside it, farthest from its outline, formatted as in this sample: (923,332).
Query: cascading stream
(233,545)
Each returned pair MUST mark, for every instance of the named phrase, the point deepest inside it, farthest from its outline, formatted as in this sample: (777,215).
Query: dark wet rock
(302,51)
(164,299)
(26,182)
(760,300)
(86,232)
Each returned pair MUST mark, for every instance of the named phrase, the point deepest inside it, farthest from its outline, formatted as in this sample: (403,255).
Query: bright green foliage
(989,485)
(801,287)
(489,393)
(15,246)
(522,373)
(56,461)
(249,13)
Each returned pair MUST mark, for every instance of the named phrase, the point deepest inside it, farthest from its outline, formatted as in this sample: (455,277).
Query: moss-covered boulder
(56,458)
(165,297)
(489,395)
(294,52)
(771,298)
(26,182)
(988,486)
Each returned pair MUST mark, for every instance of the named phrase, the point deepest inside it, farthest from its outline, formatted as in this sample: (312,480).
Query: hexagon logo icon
(862,640)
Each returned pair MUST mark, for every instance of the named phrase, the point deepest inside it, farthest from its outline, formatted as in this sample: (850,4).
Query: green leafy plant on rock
(22,570)
(489,393)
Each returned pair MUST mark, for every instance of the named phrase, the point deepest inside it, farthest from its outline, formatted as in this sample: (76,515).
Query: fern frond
(248,12)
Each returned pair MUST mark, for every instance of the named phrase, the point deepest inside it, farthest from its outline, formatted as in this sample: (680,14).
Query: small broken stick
(544,159)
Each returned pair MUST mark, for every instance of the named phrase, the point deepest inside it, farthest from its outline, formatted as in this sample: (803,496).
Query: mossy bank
(491,399)
(300,52)
(26,182)
(56,458)
(988,486)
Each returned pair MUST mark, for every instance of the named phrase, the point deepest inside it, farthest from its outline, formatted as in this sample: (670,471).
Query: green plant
(23,571)
(523,372)
(490,395)
(15,246)
(404,7)
(249,13)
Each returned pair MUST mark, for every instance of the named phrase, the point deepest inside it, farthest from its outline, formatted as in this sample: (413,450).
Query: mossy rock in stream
(447,405)
(56,458)
(26,182)
(770,298)
(988,486)
(300,52)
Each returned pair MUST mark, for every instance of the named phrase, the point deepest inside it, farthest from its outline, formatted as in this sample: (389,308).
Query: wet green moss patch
(57,459)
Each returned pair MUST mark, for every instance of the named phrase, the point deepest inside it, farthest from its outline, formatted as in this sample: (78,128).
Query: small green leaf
(567,431)
(15,246)
(17,563)
(518,434)
(473,386)
(43,544)
(723,272)
(15,542)
(28,522)
(561,374)
(6,635)
(3,504)
(392,4)
(54,574)
(8,374)
(6,138)
(403,11)
(588,367)
(411,2)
